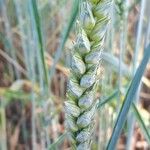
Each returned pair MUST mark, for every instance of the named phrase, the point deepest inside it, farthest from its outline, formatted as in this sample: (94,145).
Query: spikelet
(87,18)
(102,9)
(88,80)
(81,105)
(85,119)
(72,109)
(86,100)
(71,123)
(77,64)
(83,136)
(82,44)
(94,56)
(74,88)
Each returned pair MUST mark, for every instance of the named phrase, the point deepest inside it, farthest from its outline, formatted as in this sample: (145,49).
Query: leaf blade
(128,100)
(40,40)
(141,122)
(58,141)
(108,99)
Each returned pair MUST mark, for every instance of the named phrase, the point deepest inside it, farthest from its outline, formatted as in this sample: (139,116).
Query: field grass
(49,53)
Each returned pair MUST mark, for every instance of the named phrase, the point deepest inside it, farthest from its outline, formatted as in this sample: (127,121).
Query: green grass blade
(141,122)
(58,141)
(65,34)
(38,27)
(108,99)
(128,101)
(139,35)
(138,44)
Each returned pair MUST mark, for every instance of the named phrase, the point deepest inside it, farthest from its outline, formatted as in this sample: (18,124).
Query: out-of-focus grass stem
(131,120)
(3,135)
(9,36)
(22,30)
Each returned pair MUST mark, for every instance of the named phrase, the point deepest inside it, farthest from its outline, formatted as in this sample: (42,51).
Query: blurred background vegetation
(36,37)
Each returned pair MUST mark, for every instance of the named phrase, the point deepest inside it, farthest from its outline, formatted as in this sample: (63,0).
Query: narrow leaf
(141,122)
(58,141)
(38,27)
(108,99)
(128,101)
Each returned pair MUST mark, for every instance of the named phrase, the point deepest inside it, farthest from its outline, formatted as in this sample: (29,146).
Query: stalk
(81,106)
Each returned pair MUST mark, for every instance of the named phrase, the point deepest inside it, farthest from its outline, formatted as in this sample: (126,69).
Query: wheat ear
(80,106)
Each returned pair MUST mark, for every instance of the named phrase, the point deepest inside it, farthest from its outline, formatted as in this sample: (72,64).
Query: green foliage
(128,100)
(36,45)
(141,122)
